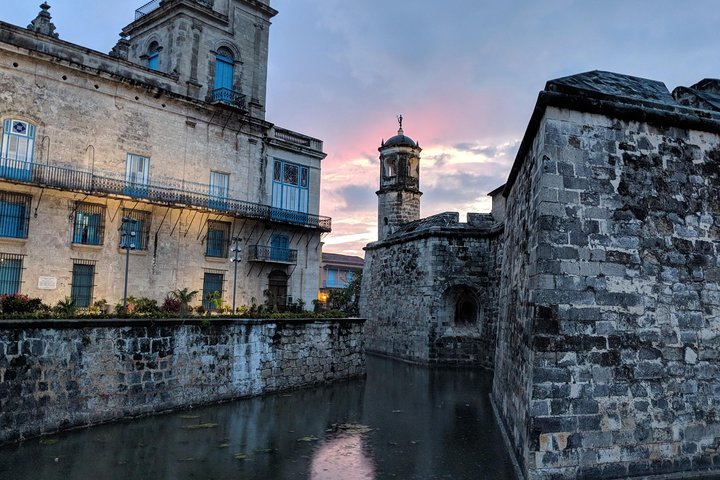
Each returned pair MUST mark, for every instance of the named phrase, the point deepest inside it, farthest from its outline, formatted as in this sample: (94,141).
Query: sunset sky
(464,73)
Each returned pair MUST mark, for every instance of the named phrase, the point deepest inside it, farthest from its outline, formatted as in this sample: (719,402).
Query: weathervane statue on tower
(400,120)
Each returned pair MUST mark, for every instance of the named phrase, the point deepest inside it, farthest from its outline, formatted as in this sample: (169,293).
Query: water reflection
(402,422)
(344,456)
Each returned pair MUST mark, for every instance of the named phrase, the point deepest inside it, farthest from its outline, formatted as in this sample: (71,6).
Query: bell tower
(399,194)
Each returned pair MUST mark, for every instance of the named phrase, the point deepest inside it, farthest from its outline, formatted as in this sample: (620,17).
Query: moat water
(401,422)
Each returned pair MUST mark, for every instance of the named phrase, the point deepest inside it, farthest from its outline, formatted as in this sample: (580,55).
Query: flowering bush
(20,303)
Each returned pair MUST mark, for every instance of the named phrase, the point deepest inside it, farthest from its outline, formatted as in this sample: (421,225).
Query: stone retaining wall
(56,375)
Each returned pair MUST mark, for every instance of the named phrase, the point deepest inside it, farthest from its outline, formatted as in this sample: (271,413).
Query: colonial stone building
(161,146)
(601,263)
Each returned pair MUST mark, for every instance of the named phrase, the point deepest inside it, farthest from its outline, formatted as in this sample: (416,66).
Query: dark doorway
(277,288)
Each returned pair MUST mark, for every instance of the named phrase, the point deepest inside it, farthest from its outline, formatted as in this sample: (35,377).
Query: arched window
(277,288)
(466,309)
(154,56)
(390,167)
(224,66)
(17,149)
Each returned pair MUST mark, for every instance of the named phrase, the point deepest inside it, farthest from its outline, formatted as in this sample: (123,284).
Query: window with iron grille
(83,280)
(140,227)
(89,224)
(14,214)
(212,289)
(11,267)
(218,239)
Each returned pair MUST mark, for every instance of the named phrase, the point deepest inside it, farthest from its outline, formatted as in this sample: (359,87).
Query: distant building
(337,271)
(163,146)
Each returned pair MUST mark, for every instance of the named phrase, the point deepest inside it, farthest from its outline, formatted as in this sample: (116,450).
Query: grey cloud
(357,198)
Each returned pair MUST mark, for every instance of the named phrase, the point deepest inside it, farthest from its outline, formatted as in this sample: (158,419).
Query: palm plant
(184,296)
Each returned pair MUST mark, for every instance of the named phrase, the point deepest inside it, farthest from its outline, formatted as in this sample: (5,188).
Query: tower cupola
(399,194)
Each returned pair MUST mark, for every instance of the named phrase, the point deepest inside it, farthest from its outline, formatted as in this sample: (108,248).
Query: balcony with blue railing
(164,191)
(269,254)
(226,96)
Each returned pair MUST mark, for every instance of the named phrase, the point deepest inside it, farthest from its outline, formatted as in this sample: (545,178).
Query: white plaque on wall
(47,283)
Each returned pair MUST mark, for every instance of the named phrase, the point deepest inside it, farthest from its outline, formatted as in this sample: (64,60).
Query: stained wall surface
(63,374)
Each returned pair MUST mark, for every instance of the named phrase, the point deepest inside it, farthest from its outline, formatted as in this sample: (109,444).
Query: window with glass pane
(16,149)
(212,289)
(219,184)
(290,192)
(14,214)
(217,239)
(11,267)
(83,277)
(139,224)
(89,225)
(219,188)
(137,170)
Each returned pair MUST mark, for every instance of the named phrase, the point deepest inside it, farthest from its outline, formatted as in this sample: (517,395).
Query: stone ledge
(163,322)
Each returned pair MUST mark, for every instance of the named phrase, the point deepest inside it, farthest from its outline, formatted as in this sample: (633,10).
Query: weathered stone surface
(414,283)
(75,373)
(609,308)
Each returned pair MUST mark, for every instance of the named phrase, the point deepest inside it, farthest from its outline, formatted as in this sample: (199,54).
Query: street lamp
(127,243)
(236,250)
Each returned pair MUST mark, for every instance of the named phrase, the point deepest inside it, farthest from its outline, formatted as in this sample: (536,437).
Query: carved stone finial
(43,22)
(121,48)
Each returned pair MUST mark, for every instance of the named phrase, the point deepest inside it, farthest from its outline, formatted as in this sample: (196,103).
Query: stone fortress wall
(607,353)
(413,281)
(56,375)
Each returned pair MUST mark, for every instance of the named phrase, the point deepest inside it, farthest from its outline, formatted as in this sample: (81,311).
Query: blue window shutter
(223,72)
(154,61)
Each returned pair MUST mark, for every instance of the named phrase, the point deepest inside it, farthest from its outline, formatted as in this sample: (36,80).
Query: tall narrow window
(279,248)
(218,239)
(89,225)
(219,189)
(154,56)
(14,214)
(224,69)
(83,276)
(291,191)
(212,290)
(140,227)
(17,149)
(11,267)
(137,170)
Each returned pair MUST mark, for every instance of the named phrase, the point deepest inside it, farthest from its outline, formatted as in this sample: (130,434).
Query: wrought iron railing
(174,193)
(269,254)
(147,8)
(229,97)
